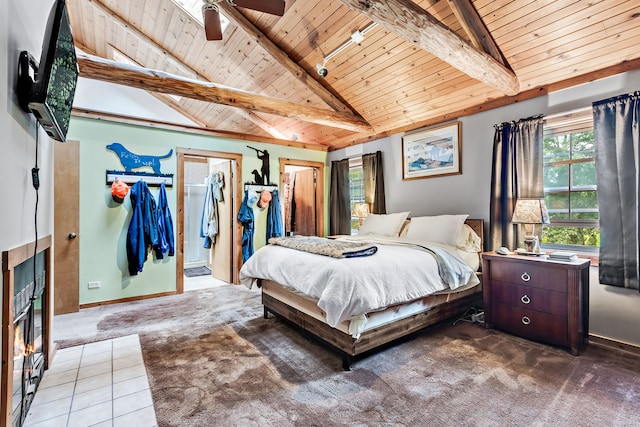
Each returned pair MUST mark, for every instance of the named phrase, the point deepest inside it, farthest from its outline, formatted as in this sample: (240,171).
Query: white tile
(127,361)
(45,395)
(145,417)
(60,366)
(93,370)
(91,415)
(53,379)
(132,402)
(93,383)
(60,421)
(90,398)
(128,373)
(50,410)
(108,423)
(97,347)
(133,385)
(126,341)
(95,358)
(68,353)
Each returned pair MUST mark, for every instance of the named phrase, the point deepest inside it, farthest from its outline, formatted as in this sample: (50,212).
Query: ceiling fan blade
(273,7)
(212,27)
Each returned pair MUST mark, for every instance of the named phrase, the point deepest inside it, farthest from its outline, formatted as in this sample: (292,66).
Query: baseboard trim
(613,344)
(129,299)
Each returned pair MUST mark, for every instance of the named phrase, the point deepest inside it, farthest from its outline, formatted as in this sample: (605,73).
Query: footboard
(302,312)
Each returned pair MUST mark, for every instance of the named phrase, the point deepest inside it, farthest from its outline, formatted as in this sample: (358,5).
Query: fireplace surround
(26,320)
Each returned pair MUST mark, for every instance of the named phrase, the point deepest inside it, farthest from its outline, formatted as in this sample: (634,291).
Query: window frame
(354,165)
(556,126)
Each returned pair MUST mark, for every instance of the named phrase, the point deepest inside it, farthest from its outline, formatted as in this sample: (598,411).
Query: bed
(354,321)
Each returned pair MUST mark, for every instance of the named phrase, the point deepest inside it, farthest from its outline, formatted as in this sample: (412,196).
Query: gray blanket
(324,246)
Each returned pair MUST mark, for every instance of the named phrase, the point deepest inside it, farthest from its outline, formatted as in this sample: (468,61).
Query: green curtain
(339,198)
(517,172)
(373,176)
(616,127)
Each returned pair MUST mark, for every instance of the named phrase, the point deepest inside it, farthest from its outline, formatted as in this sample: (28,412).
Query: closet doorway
(221,258)
(302,184)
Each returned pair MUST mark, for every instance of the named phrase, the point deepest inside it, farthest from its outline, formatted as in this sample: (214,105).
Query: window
(356,190)
(570,191)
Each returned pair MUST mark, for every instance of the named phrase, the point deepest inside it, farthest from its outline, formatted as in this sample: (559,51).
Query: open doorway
(216,257)
(302,184)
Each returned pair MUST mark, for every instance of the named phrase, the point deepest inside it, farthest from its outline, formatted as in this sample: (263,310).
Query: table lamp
(529,212)
(360,211)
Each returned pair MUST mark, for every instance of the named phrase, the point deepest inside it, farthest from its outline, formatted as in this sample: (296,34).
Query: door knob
(72,236)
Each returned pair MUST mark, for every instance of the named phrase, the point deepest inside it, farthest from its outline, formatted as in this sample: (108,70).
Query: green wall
(104,223)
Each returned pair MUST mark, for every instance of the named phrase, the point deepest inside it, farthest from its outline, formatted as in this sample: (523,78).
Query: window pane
(583,174)
(557,205)
(556,177)
(584,236)
(582,145)
(584,201)
(557,148)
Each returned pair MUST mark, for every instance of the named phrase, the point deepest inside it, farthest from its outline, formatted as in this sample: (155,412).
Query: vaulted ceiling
(420,63)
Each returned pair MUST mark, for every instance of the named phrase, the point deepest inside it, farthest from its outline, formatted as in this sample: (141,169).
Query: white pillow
(469,241)
(383,224)
(439,229)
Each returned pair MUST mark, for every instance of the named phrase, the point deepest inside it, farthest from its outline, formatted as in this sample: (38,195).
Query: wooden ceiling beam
(96,68)
(119,20)
(417,26)
(237,18)
(476,30)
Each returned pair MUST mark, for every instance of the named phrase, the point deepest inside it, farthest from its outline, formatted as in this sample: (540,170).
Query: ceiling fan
(211,13)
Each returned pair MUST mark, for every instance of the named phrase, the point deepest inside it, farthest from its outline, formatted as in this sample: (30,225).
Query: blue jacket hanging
(274,217)
(165,226)
(245,216)
(142,234)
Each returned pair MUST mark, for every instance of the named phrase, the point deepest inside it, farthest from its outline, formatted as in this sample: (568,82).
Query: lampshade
(360,210)
(530,211)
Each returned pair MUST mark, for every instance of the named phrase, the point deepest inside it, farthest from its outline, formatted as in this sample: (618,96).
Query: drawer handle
(525,320)
(525,299)
(525,277)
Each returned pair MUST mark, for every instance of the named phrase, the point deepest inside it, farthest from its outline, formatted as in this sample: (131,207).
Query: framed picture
(432,152)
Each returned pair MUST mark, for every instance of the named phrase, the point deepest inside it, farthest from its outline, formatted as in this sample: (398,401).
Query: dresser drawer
(536,299)
(530,274)
(531,324)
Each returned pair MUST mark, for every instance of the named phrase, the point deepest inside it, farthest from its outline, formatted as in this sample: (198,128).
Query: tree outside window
(570,190)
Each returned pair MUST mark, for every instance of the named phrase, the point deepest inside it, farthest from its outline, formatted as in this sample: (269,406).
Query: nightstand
(537,298)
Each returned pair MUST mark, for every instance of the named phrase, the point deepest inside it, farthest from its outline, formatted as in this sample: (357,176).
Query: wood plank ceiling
(405,74)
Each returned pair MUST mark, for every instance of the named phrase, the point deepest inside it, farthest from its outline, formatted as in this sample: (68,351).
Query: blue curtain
(339,198)
(517,172)
(616,126)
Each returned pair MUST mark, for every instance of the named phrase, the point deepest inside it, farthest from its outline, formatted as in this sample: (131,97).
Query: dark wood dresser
(537,298)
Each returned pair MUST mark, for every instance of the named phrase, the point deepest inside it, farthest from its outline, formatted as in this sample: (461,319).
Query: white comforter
(346,288)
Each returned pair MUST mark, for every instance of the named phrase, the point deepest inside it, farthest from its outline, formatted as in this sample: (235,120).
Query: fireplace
(25,321)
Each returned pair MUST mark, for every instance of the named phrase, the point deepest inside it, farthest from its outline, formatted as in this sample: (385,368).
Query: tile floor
(98,384)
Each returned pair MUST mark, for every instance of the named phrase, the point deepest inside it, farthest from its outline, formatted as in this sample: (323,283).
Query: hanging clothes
(166,243)
(246,218)
(142,234)
(210,224)
(274,217)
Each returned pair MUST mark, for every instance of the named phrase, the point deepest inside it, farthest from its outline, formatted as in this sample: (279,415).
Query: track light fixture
(357,37)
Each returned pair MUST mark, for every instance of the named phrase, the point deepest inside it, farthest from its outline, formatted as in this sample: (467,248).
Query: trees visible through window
(570,191)
(356,189)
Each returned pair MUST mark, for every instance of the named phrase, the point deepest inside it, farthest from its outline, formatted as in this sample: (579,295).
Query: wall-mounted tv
(49,95)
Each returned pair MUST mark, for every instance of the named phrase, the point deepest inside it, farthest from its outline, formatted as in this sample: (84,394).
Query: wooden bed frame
(304,313)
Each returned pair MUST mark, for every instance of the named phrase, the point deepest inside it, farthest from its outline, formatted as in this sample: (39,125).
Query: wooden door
(222,250)
(66,242)
(304,196)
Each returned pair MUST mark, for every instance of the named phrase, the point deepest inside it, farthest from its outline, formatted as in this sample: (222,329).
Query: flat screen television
(49,96)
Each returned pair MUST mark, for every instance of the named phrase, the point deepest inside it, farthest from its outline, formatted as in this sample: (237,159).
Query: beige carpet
(212,360)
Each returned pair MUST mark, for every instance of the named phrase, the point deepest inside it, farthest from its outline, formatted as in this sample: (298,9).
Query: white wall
(22,25)
(100,96)
(615,312)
